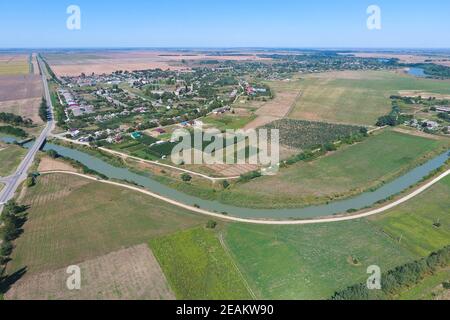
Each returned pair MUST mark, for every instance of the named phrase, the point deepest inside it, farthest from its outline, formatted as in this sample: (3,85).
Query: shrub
(185,177)
(211,224)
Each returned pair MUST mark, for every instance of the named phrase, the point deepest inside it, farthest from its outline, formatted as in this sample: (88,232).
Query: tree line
(396,280)
(15,120)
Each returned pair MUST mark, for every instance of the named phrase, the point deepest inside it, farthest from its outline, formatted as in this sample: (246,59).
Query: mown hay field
(357,97)
(72,219)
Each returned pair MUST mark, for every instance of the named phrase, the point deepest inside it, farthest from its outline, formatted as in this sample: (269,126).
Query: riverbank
(198,210)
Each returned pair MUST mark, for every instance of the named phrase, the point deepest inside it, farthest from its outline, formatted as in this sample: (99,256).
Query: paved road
(267,222)
(21,173)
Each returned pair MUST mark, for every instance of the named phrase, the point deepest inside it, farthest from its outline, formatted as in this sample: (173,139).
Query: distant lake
(417,72)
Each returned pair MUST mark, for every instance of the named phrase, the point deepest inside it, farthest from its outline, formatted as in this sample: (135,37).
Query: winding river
(336,207)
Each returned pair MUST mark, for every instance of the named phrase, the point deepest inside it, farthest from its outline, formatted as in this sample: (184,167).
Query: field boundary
(265,222)
(232,259)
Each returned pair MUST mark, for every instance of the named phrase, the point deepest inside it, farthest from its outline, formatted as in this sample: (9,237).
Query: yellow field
(14,65)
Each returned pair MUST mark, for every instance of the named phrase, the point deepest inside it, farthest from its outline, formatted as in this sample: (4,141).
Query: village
(148,105)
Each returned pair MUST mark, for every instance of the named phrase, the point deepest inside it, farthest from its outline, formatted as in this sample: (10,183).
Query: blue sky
(225,23)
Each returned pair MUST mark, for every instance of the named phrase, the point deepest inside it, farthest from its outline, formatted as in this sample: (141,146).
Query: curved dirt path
(266,222)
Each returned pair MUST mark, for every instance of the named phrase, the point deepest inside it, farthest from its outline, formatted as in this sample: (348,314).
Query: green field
(228,122)
(197,266)
(72,219)
(10,157)
(350,170)
(310,262)
(413,222)
(356,97)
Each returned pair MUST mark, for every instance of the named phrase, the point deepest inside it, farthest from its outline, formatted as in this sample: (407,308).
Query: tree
(43,110)
(30,182)
(185,177)
(225,184)
(211,224)
(6,249)
(52,154)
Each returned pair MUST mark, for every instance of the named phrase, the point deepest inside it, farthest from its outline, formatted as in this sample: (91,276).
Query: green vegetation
(396,280)
(422,225)
(434,70)
(10,158)
(11,221)
(429,288)
(223,123)
(306,134)
(72,219)
(311,261)
(394,118)
(43,110)
(13,131)
(356,97)
(198,267)
(14,120)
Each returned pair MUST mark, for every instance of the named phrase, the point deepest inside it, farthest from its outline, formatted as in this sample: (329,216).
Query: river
(336,207)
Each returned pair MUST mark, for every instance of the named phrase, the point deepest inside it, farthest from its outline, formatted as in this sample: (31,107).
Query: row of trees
(11,222)
(398,279)
(9,130)
(43,110)
(15,120)
(394,118)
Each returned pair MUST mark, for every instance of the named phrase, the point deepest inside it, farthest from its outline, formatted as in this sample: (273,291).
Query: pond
(417,72)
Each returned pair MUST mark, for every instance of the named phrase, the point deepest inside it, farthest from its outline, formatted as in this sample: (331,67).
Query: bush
(250,176)
(185,177)
(52,154)
(211,224)
(30,182)
(225,184)
(13,131)
(6,248)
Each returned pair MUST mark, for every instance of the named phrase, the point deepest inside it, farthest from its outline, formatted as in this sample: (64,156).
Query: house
(432,125)
(74,133)
(221,110)
(445,109)
(160,130)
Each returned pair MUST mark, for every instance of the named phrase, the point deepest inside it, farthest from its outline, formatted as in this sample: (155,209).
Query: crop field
(285,93)
(74,63)
(10,157)
(356,97)
(198,267)
(350,170)
(310,262)
(14,65)
(306,134)
(21,95)
(421,225)
(130,274)
(72,220)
